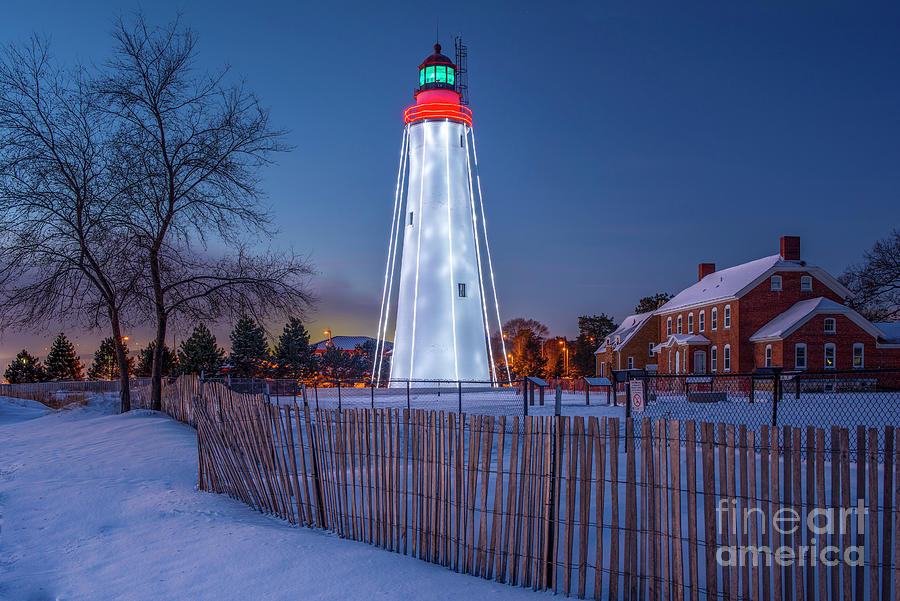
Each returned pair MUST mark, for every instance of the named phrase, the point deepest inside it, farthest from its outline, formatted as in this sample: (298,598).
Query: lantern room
(437,72)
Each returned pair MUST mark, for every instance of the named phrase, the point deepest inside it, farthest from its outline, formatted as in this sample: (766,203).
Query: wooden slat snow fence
(568,503)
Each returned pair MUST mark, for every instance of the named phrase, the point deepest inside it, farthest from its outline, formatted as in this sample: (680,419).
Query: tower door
(699,362)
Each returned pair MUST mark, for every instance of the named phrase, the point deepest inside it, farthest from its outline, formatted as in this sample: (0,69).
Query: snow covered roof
(628,328)
(346,343)
(891,331)
(733,282)
(784,324)
(683,340)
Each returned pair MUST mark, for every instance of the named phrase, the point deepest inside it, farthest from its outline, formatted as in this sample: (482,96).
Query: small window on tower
(461,141)
(441,73)
(450,76)
(421,77)
(429,74)
(410,217)
(462,290)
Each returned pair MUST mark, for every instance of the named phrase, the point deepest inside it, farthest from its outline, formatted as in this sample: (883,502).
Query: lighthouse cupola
(437,72)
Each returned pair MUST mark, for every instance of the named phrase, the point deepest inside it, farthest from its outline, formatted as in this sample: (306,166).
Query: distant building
(346,344)
(775,311)
(631,346)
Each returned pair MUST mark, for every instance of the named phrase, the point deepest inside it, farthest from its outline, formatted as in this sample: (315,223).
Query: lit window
(669,326)
(775,282)
(714,317)
(651,350)
(441,74)
(679,324)
(800,356)
(713,359)
(450,76)
(806,284)
(429,74)
(858,356)
(421,77)
(727,316)
(462,290)
(702,321)
(830,325)
(829,356)
(727,358)
(768,355)
(690,323)
(630,362)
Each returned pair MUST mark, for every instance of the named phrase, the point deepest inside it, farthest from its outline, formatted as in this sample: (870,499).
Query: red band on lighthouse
(438,110)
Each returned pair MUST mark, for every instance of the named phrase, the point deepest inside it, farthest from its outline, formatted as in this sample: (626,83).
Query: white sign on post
(637,396)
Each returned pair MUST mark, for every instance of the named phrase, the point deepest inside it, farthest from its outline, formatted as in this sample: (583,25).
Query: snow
(891,331)
(799,313)
(628,328)
(95,505)
(725,283)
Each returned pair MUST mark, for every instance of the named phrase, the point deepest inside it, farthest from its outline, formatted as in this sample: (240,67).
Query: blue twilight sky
(619,143)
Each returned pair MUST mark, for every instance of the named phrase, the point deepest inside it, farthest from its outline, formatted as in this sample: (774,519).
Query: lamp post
(566,350)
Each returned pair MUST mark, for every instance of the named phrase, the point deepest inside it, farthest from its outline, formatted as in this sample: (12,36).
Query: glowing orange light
(438,110)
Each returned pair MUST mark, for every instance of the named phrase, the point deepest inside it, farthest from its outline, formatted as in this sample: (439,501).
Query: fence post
(753,387)
(316,391)
(459,387)
(587,393)
(775,384)
(797,387)
(551,510)
(407,395)
(557,409)
(372,389)
(525,395)
(627,399)
(303,394)
(339,395)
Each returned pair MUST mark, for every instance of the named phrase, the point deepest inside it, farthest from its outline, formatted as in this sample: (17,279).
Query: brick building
(630,346)
(775,311)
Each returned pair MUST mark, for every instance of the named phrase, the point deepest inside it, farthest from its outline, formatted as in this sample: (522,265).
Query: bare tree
(194,146)
(62,256)
(875,283)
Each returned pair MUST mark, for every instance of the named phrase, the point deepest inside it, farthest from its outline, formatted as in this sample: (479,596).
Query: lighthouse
(439,265)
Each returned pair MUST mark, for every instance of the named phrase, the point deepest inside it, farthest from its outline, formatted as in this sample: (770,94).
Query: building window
(775,282)
(650,354)
(410,217)
(727,317)
(726,358)
(630,362)
(679,324)
(768,355)
(829,356)
(806,283)
(602,369)
(858,355)
(714,319)
(462,290)
(800,356)
(668,327)
(690,323)
(830,325)
(702,321)
(713,359)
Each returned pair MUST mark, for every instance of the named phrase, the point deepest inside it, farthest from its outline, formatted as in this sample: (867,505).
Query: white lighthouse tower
(446,301)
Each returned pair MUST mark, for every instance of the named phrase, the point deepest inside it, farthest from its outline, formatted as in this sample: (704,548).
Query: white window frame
(691,323)
(630,362)
(726,318)
(768,355)
(797,365)
(713,359)
(668,326)
(833,329)
(702,323)
(862,355)
(775,283)
(806,283)
(678,321)
(726,358)
(830,346)
(650,354)
(714,319)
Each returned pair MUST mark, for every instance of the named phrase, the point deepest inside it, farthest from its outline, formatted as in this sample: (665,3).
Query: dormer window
(805,283)
(775,283)
(830,325)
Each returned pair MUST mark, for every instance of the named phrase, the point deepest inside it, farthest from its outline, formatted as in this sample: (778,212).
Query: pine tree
(293,356)
(199,353)
(249,351)
(63,363)
(105,366)
(145,361)
(25,368)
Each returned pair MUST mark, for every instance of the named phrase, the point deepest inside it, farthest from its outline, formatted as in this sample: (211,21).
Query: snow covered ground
(95,505)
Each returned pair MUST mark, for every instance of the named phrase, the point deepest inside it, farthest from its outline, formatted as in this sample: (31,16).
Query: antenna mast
(462,71)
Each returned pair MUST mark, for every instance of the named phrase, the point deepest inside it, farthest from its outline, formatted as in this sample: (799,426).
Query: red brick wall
(637,347)
(719,338)
(847,334)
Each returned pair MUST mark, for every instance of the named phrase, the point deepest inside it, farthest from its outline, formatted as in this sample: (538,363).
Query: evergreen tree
(145,361)
(249,351)
(63,362)
(199,353)
(651,303)
(526,357)
(25,368)
(591,332)
(293,356)
(105,366)
(335,364)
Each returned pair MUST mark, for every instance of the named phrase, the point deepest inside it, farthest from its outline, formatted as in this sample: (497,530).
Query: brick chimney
(704,269)
(790,248)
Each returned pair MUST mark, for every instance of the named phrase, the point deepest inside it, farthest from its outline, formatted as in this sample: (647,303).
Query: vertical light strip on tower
(450,244)
(487,324)
(487,247)
(384,312)
(412,353)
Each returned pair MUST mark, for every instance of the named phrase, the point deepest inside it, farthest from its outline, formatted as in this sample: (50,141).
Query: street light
(566,349)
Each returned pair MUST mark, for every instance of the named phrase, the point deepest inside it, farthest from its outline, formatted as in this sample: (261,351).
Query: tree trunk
(122,360)
(161,317)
